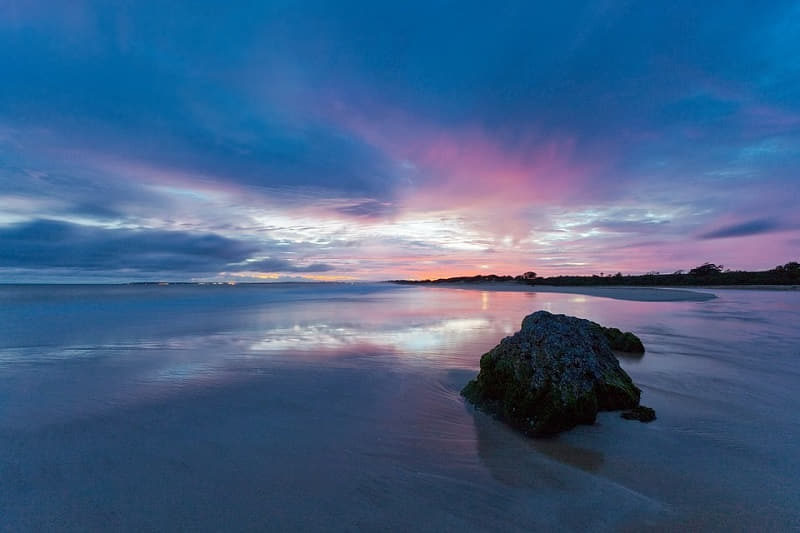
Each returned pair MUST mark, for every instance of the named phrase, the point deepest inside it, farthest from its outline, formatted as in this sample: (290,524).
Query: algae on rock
(623,342)
(556,372)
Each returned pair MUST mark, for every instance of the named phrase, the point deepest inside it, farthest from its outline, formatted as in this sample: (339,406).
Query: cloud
(370,209)
(743,229)
(626,226)
(48,244)
(281,265)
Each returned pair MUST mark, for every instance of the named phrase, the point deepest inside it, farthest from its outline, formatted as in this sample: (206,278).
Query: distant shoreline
(634,294)
(752,287)
(616,292)
(631,292)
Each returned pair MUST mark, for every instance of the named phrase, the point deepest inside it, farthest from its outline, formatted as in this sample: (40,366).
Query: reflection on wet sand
(629,356)
(513,459)
(417,339)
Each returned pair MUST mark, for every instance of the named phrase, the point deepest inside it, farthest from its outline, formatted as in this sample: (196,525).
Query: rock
(640,413)
(556,372)
(624,342)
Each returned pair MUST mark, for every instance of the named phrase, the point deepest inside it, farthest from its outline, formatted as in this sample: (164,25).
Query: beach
(337,407)
(634,294)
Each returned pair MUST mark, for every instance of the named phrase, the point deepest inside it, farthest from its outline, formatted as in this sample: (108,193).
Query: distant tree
(618,275)
(790,270)
(529,275)
(678,272)
(706,269)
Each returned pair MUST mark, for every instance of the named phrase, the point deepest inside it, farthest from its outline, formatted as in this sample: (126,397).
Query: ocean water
(336,407)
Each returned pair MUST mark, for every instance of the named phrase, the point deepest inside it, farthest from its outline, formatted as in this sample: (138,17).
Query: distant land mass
(703,275)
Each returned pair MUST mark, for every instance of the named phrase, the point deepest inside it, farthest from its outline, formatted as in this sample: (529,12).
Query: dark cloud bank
(751,227)
(50,244)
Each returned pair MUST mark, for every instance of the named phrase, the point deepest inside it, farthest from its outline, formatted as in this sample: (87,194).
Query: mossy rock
(623,342)
(556,372)
(640,413)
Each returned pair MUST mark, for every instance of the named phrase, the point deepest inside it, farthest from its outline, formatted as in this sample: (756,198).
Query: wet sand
(337,408)
(753,287)
(632,294)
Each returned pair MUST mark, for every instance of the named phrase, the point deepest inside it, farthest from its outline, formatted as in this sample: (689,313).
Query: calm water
(324,407)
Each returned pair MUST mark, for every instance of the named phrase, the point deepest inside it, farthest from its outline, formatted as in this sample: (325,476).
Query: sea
(336,407)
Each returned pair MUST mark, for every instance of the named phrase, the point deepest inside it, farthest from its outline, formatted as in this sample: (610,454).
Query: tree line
(705,274)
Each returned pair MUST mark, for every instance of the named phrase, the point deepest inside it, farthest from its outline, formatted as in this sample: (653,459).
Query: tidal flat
(336,407)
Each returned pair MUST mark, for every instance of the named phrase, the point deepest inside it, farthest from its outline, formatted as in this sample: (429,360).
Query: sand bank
(634,294)
(752,287)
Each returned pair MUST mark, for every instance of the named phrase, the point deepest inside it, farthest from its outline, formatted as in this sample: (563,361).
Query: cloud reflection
(419,341)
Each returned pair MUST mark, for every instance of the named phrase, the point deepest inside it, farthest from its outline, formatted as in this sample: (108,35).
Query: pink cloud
(468,167)
(493,179)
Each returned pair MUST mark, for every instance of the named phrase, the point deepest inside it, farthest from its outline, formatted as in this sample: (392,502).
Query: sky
(363,140)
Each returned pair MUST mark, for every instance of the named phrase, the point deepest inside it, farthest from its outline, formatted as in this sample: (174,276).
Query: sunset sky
(378,140)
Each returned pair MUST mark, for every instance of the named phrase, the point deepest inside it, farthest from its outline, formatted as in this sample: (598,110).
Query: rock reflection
(506,453)
(629,356)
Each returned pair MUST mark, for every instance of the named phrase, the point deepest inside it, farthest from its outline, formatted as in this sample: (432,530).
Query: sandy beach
(633,294)
(337,407)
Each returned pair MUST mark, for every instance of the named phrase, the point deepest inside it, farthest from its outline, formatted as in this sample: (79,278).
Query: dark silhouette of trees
(705,274)
(706,269)
(792,267)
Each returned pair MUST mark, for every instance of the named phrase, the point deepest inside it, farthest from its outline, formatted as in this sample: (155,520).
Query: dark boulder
(556,372)
(640,413)
(623,342)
